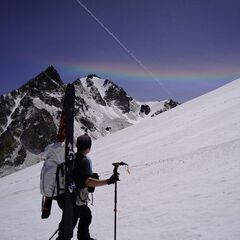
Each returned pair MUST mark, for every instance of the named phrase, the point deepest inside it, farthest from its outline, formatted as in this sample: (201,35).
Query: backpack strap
(91,198)
(57,180)
(60,170)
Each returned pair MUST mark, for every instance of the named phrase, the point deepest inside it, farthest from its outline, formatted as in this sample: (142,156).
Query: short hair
(83,142)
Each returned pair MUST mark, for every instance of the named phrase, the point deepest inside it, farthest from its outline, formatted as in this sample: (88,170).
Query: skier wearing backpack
(85,182)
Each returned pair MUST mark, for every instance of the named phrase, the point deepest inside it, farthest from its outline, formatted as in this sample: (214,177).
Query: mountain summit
(30,115)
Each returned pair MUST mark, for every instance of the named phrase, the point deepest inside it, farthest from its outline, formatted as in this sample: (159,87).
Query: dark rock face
(114,93)
(88,124)
(6,104)
(49,79)
(21,155)
(169,104)
(7,146)
(108,128)
(80,105)
(91,76)
(25,127)
(39,131)
(94,91)
(145,109)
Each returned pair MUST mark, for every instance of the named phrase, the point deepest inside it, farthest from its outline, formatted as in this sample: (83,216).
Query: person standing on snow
(84,180)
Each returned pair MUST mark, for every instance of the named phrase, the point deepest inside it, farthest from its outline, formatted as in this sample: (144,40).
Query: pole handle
(117,164)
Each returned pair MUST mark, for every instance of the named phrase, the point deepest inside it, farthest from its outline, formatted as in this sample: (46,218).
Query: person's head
(84,144)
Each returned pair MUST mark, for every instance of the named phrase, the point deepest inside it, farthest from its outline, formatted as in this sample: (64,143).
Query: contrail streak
(125,48)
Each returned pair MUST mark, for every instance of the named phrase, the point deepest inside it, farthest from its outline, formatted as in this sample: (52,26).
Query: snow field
(184,181)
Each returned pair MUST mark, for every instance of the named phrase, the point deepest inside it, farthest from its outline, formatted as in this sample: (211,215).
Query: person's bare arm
(92,182)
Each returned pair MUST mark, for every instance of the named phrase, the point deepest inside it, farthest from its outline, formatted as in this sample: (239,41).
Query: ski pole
(115,171)
(115,212)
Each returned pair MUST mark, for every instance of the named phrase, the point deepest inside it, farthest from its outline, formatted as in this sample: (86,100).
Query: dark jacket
(82,170)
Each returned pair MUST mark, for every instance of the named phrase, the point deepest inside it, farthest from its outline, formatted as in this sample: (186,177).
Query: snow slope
(101,108)
(184,181)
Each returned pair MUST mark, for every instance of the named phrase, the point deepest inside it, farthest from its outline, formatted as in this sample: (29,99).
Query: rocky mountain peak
(52,73)
(29,116)
(48,80)
(91,76)
(117,94)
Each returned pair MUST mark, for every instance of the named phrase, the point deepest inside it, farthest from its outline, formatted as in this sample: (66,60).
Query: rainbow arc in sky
(163,74)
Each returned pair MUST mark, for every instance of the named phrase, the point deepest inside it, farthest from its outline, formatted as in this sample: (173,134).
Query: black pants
(83,213)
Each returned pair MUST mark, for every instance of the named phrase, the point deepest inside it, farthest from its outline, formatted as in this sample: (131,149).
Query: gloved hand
(114,178)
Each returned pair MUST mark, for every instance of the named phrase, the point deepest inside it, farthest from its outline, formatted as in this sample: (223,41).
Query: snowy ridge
(184,181)
(111,110)
(38,103)
(30,115)
(15,106)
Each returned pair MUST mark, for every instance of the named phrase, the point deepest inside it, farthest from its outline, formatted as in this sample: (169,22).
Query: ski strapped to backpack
(56,175)
(68,112)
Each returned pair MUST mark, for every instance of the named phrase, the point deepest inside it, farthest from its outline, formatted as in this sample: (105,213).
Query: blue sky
(188,47)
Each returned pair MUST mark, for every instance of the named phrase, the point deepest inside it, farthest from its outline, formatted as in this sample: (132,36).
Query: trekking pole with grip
(115,171)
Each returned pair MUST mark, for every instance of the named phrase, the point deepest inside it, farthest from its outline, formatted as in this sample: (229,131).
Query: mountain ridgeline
(29,116)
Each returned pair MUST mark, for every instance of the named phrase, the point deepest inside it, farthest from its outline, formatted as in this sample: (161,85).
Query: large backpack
(52,179)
